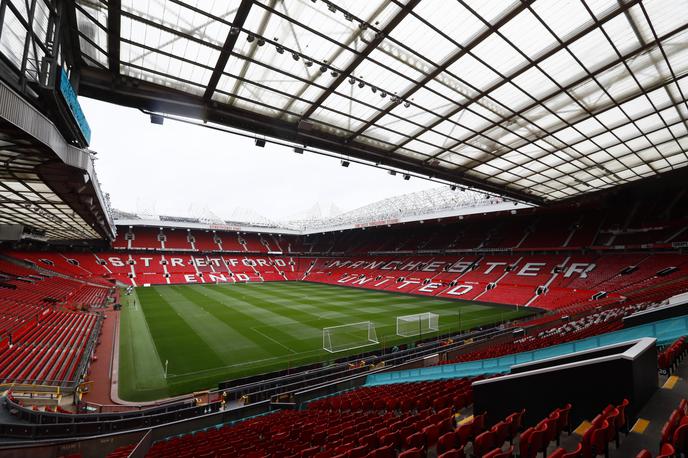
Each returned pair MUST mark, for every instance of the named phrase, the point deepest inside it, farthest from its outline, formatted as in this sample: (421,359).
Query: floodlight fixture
(345,163)
(157,119)
(260,142)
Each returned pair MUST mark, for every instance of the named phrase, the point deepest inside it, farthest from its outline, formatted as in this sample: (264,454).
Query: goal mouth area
(351,336)
(417,324)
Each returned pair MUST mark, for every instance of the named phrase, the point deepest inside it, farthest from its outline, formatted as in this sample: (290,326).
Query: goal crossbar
(417,324)
(349,336)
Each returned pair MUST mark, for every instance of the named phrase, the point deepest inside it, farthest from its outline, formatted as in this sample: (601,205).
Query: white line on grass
(302,354)
(276,341)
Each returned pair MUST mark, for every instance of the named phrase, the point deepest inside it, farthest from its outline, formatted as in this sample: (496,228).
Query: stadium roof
(537,100)
(429,204)
(46,185)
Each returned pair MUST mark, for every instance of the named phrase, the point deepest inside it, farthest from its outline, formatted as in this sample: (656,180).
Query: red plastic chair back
(465,433)
(578,453)
(680,439)
(484,442)
(446,442)
(412,453)
(524,448)
(667,451)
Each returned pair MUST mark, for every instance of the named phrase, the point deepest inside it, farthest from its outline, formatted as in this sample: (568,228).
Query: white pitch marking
(276,341)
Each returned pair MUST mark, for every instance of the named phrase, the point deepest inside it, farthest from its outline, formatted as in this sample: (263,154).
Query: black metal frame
(569,176)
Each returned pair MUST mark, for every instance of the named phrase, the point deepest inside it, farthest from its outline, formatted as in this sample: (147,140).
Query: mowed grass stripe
(174,338)
(299,306)
(265,313)
(243,314)
(235,303)
(333,311)
(232,315)
(138,356)
(293,306)
(214,331)
(246,329)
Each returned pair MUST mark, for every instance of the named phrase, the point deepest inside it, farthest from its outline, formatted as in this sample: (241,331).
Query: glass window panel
(593,50)
(528,34)
(564,17)
(498,54)
(491,11)
(535,83)
(426,41)
(666,15)
(473,72)
(621,32)
(470,120)
(422,147)
(451,18)
(562,67)
(13,38)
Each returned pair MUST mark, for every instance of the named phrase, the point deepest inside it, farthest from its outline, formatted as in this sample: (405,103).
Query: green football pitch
(211,333)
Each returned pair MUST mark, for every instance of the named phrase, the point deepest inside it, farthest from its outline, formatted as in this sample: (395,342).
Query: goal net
(418,324)
(349,336)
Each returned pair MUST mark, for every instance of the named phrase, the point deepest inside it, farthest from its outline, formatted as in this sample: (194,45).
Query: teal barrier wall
(664,331)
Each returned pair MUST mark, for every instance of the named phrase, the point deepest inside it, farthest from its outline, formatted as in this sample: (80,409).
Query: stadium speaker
(260,143)
(298,150)
(452,187)
(345,163)
(407,177)
(157,119)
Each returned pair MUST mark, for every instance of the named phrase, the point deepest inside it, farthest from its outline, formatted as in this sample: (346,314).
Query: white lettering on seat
(460,290)
(579,267)
(493,265)
(531,269)
(430,287)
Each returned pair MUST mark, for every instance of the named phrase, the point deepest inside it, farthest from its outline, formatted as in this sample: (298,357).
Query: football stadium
(502,270)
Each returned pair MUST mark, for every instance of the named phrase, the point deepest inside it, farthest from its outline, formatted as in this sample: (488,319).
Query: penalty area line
(276,341)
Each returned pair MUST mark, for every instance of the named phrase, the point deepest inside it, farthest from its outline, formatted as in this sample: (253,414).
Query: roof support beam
(114,24)
(447,63)
(362,56)
(230,42)
(567,87)
(97,84)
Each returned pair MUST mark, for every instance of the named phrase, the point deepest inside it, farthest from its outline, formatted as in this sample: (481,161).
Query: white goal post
(349,336)
(417,324)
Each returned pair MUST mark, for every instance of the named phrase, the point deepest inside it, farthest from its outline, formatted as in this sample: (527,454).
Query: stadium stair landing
(646,429)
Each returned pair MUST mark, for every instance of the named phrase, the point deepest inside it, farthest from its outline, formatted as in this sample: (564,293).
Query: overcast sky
(181,170)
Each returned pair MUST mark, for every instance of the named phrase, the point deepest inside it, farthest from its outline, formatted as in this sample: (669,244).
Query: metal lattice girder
(534,99)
